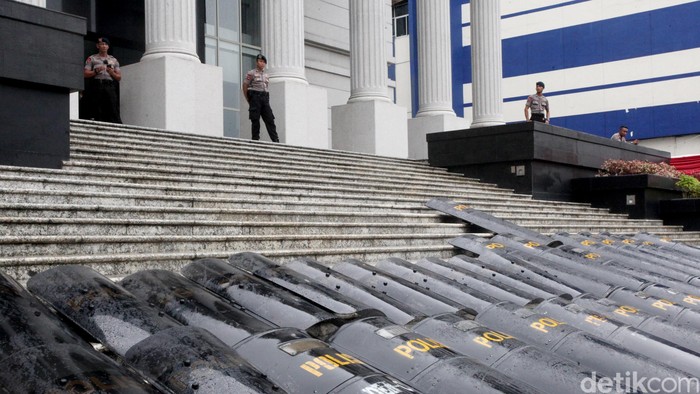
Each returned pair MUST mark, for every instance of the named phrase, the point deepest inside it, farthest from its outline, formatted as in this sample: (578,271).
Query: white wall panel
(614,99)
(562,17)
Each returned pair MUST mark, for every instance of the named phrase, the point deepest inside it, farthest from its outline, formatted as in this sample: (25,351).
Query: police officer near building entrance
(256,92)
(538,104)
(102,76)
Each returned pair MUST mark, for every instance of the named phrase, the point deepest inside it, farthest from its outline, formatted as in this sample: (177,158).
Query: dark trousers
(537,117)
(102,100)
(260,107)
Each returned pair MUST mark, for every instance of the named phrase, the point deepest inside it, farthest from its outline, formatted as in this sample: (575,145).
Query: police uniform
(539,105)
(102,92)
(259,102)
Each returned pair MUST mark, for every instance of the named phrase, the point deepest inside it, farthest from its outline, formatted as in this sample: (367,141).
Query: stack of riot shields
(517,312)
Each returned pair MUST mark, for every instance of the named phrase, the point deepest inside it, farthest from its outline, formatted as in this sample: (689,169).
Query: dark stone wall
(41,58)
(531,158)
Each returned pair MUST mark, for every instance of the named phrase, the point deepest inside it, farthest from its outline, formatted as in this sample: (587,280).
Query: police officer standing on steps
(256,92)
(538,104)
(102,76)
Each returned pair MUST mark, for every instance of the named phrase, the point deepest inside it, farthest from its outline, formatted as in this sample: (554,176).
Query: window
(400,17)
(232,30)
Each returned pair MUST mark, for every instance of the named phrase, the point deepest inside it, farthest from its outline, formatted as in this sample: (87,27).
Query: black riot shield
(536,329)
(398,312)
(266,348)
(267,269)
(99,306)
(191,304)
(192,360)
(355,339)
(273,303)
(557,308)
(39,353)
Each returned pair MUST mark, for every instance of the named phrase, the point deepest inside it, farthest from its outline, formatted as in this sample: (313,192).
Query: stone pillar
(434,58)
(435,113)
(170,88)
(368,65)
(487,63)
(38,3)
(283,39)
(301,111)
(370,122)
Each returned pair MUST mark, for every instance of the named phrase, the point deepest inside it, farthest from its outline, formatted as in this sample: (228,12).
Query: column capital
(170,29)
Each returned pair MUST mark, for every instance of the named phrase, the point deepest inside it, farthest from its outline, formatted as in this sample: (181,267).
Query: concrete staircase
(134,198)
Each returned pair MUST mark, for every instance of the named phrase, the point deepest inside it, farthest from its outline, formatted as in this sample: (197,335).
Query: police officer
(538,104)
(256,91)
(102,75)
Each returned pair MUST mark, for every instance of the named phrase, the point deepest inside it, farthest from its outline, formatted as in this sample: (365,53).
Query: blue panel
(413,54)
(659,31)
(581,45)
(392,72)
(627,37)
(650,122)
(543,8)
(460,73)
(675,28)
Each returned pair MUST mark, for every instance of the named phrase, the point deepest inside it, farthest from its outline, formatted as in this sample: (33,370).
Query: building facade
(604,63)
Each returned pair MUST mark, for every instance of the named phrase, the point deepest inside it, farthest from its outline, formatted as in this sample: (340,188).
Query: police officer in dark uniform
(256,91)
(102,76)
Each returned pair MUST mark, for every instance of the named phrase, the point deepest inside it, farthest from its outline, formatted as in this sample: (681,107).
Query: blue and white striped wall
(604,62)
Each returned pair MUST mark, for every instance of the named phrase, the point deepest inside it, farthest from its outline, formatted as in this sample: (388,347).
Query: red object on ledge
(687,164)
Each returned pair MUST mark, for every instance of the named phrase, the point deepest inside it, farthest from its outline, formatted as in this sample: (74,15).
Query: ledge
(682,212)
(639,196)
(529,157)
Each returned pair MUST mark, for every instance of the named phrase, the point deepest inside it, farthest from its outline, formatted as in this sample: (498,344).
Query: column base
(419,127)
(374,127)
(174,94)
(301,115)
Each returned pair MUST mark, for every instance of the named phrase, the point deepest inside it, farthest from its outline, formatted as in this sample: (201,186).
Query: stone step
(255,201)
(270,214)
(313,202)
(110,245)
(212,214)
(593,228)
(585,221)
(34,226)
(120,265)
(145,136)
(92,180)
(140,138)
(124,156)
(58,183)
(250,169)
(288,180)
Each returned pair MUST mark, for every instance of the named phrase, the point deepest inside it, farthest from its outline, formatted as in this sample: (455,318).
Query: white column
(368,60)
(283,39)
(370,122)
(434,58)
(487,63)
(435,113)
(170,88)
(38,3)
(171,29)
